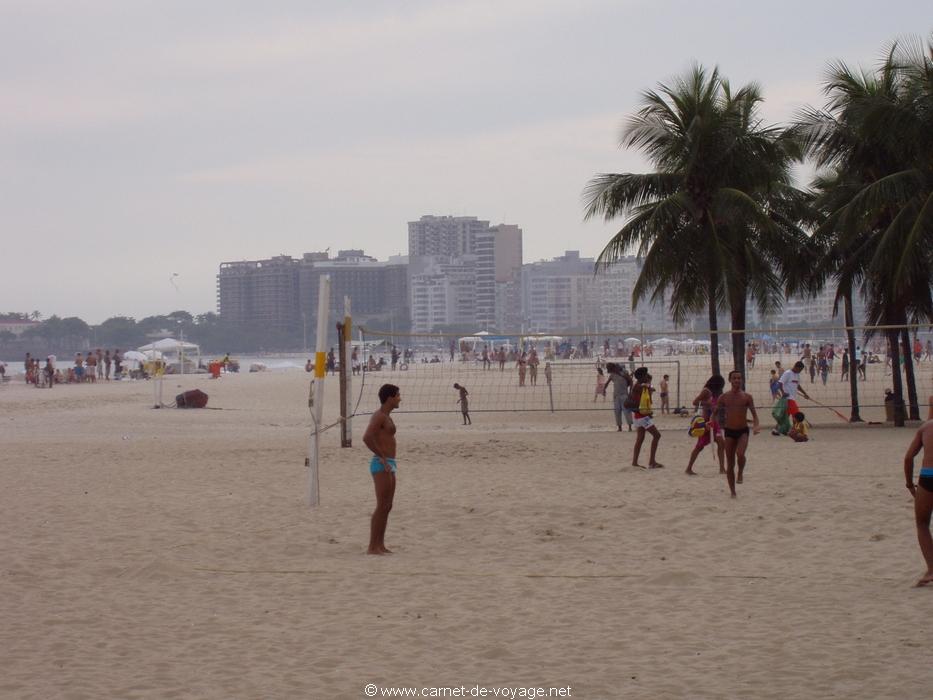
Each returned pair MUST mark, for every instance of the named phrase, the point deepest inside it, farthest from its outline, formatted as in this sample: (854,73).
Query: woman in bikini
(708,399)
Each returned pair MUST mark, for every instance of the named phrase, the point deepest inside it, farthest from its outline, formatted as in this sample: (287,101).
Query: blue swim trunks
(375,466)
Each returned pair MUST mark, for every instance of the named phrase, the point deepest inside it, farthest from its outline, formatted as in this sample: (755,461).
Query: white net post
(316,403)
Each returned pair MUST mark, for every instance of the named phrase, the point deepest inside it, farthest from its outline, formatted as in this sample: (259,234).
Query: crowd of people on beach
(86,368)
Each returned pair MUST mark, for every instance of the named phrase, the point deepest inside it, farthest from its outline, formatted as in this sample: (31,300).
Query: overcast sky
(144,138)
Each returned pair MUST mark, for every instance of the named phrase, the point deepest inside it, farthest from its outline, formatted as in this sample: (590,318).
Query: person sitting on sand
(737,404)
(922,492)
(800,431)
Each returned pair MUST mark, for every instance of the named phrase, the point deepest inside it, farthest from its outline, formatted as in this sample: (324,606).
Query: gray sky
(144,138)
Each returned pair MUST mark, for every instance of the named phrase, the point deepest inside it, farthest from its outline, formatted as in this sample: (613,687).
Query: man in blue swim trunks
(380,439)
(922,492)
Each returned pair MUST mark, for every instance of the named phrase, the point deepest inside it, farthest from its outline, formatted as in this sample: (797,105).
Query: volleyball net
(561,371)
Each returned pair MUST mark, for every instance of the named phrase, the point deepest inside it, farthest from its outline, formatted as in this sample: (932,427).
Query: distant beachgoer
(107,362)
(640,403)
(790,385)
(501,358)
(621,385)
(79,367)
(665,394)
(117,363)
(90,372)
(49,371)
(600,384)
(774,384)
(309,365)
(533,367)
(380,439)
(330,364)
(464,404)
(737,404)
(922,491)
(547,373)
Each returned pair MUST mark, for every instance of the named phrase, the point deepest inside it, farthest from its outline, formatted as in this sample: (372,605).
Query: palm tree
(709,221)
(876,133)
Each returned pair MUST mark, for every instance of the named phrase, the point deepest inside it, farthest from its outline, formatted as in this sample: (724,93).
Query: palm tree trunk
(713,336)
(854,416)
(909,372)
(894,350)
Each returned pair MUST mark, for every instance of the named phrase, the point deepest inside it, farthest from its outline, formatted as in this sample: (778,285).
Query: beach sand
(172,554)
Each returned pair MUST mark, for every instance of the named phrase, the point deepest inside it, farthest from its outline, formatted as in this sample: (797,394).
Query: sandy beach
(172,554)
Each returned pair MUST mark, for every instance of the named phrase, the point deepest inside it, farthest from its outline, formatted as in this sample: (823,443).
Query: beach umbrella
(134,355)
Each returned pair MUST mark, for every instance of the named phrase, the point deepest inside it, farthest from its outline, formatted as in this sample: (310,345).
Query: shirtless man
(922,492)
(736,404)
(380,439)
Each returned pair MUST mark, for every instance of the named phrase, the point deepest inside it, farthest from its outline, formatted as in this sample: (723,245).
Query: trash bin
(889,406)
(214,368)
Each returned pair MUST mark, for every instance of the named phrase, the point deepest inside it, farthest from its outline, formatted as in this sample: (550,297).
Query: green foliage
(714,223)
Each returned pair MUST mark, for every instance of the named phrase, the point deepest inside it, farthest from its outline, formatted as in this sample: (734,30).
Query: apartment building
(465,243)
(259,292)
(282,292)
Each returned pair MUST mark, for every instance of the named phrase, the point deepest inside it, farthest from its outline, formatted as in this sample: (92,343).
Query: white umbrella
(134,355)
(633,340)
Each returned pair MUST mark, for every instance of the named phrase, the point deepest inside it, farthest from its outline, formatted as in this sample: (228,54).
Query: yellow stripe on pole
(320,362)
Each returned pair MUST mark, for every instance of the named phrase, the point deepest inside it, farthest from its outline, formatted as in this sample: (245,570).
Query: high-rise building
(259,292)
(282,292)
(495,254)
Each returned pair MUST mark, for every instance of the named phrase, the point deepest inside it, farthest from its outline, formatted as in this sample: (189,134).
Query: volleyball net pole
(316,396)
(345,334)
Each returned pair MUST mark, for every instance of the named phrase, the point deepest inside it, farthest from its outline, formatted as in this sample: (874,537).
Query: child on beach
(464,404)
(774,384)
(600,384)
(639,402)
(922,492)
(800,431)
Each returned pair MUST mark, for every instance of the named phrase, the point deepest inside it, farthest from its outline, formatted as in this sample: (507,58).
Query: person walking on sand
(380,439)
(464,404)
(640,401)
(790,385)
(621,385)
(922,492)
(735,405)
(713,412)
